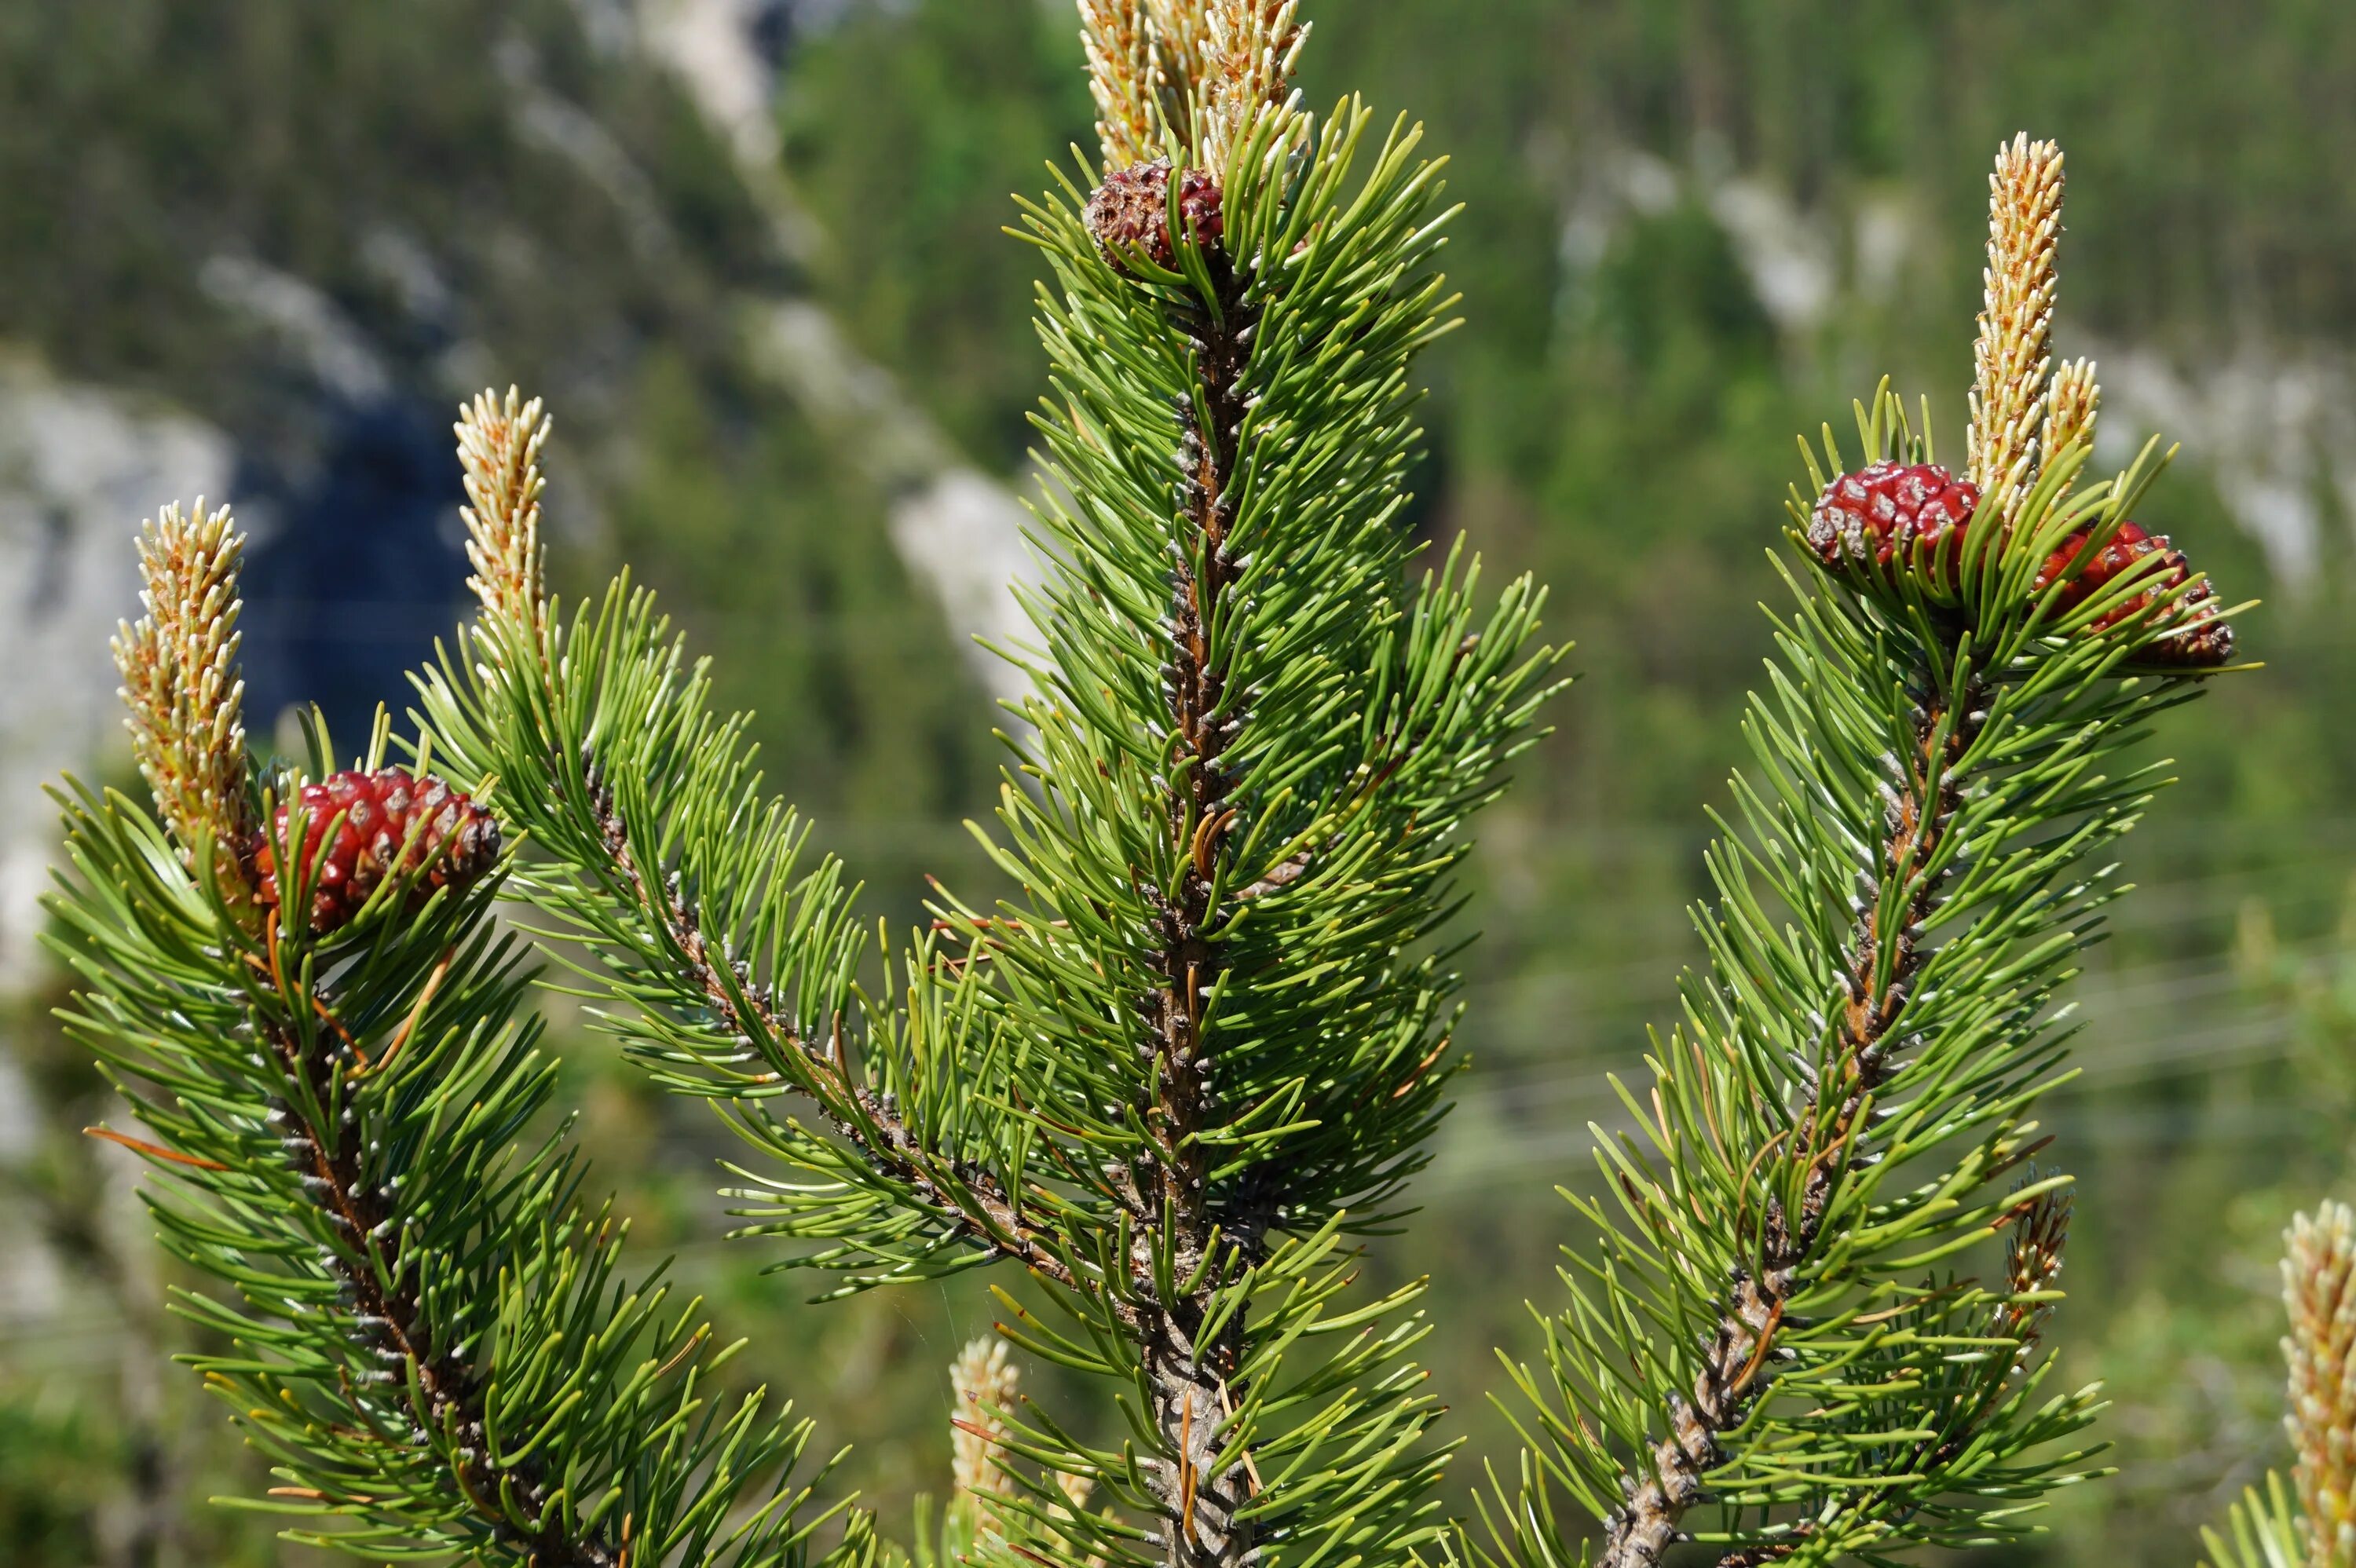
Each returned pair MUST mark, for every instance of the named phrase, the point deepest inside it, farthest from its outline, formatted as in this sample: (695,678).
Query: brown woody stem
(2036,1261)
(1738,1369)
(1203,1489)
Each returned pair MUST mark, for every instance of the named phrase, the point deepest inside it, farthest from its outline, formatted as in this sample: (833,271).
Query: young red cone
(1129,213)
(385,824)
(2206,641)
(1879,512)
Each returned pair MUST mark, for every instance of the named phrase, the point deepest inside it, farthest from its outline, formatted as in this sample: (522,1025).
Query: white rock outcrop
(79,467)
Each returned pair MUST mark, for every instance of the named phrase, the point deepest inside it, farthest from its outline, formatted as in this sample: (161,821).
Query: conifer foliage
(408,1305)
(1195,1056)
(1170,1084)
(1807,1322)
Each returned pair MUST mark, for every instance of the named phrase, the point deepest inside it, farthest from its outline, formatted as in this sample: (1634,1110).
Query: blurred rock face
(327,300)
(78,467)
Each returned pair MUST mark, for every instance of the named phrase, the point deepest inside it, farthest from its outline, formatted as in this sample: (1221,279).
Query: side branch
(1737,1369)
(393,1322)
(977,1205)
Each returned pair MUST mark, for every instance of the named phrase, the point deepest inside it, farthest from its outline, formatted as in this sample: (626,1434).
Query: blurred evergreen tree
(907,129)
(741,516)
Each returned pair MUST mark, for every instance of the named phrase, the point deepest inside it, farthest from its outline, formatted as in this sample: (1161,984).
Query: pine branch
(1901,895)
(1818,1062)
(1884,966)
(1190,1376)
(974,1208)
(1199,1057)
(1169,722)
(319,1026)
(663,857)
(393,1318)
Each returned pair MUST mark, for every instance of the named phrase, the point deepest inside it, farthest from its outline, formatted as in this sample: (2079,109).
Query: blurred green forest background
(289,236)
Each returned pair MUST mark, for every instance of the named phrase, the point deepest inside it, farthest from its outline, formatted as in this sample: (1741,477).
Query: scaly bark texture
(1202,1490)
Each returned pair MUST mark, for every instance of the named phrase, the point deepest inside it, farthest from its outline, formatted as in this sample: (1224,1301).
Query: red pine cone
(2207,640)
(457,841)
(1131,212)
(1882,509)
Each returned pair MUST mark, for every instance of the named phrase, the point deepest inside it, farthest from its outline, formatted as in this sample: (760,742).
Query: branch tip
(499,442)
(183,688)
(2014,351)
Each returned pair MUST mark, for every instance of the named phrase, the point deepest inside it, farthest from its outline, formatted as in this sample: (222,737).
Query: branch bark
(1737,1370)
(1203,1488)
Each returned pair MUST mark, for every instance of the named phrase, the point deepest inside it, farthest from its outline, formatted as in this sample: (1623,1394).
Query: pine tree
(1186,1069)
(1809,1321)
(293,976)
(1191,1062)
